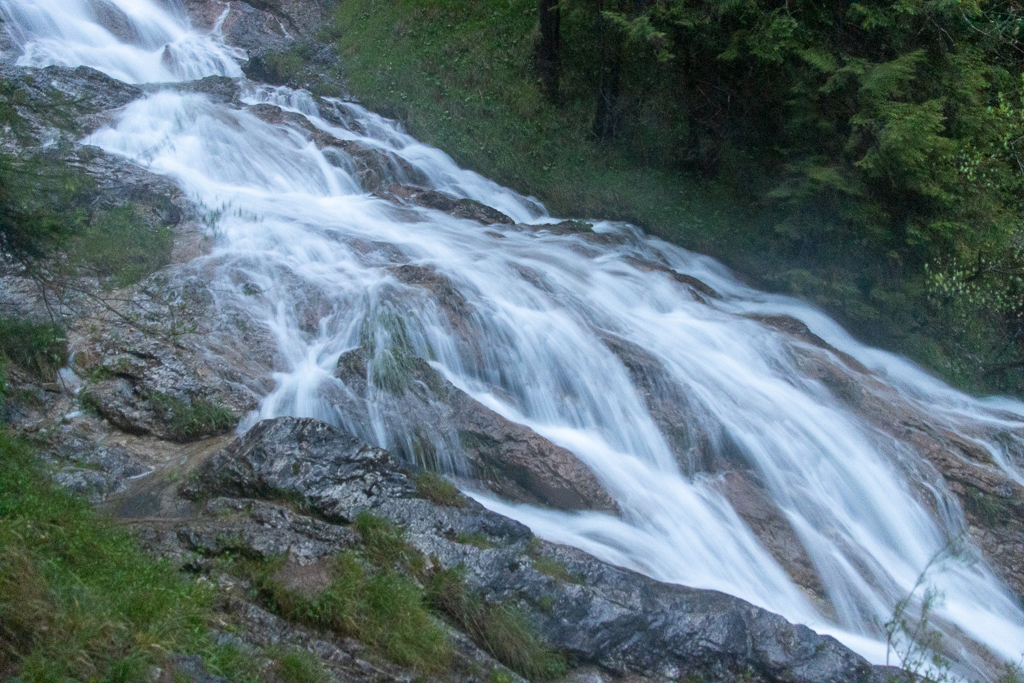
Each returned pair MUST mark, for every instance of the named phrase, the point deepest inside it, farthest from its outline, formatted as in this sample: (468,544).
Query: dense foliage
(867,156)
(888,136)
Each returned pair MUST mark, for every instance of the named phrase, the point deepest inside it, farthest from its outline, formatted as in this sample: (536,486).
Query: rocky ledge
(291,487)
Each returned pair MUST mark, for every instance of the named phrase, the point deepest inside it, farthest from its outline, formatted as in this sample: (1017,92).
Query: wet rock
(755,507)
(274,115)
(255,31)
(460,208)
(281,39)
(672,411)
(510,459)
(64,103)
(798,330)
(333,473)
(953,458)
(696,286)
(375,169)
(93,470)
(444,292)
(59,105)
(219,88)
(111,17)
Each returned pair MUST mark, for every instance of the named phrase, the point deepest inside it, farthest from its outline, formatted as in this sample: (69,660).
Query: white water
(296,224)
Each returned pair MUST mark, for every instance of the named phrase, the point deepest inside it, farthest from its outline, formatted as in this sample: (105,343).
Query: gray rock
(93,470)
(262,528)
(333,473)
(616,619)
(469,209)
(190,668)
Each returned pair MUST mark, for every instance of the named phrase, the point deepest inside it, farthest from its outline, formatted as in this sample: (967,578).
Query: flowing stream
(294,222)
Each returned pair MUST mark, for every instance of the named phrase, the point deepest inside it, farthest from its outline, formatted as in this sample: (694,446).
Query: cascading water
(542,306)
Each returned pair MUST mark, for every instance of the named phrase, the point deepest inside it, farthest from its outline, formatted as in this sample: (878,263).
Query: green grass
(38,348)
(79,600)
(375,596)
(438,490)
(301,667)
(381,608)
(477,540)
(194,419)
(384,544)
(120,248)
(555,569)
(990,510)
(501,630)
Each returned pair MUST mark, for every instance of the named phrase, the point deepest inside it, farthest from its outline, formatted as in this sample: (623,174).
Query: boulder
(333,473)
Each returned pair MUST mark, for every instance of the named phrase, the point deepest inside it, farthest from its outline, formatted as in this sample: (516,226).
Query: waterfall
(541,307)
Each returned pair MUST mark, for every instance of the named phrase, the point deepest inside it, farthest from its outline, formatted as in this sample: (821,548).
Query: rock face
(510,459)
(334,473)
(616,619)
(442,201)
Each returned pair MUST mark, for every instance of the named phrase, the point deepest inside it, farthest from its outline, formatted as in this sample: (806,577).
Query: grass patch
(120,248)
(501,630)
(384,544)
(78,599)
(555,569)
(477,540)
(38,348)
(438,490)
(990,510)
(300,667)
(192,420)
(382,609)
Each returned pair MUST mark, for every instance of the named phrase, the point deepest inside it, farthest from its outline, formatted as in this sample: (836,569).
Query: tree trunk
(547,53)
(607,77)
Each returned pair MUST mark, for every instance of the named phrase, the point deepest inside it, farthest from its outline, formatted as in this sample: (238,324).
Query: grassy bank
(460,75)
(79,600)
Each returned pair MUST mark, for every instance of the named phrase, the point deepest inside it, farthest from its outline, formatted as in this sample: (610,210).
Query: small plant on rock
(191,420)
(438,490)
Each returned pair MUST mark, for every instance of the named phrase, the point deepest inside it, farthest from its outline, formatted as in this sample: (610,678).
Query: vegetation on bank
(866,156)
(384,594)
(79,600)
(44,228)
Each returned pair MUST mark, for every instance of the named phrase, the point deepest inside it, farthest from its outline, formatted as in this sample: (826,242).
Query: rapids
(293,220)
